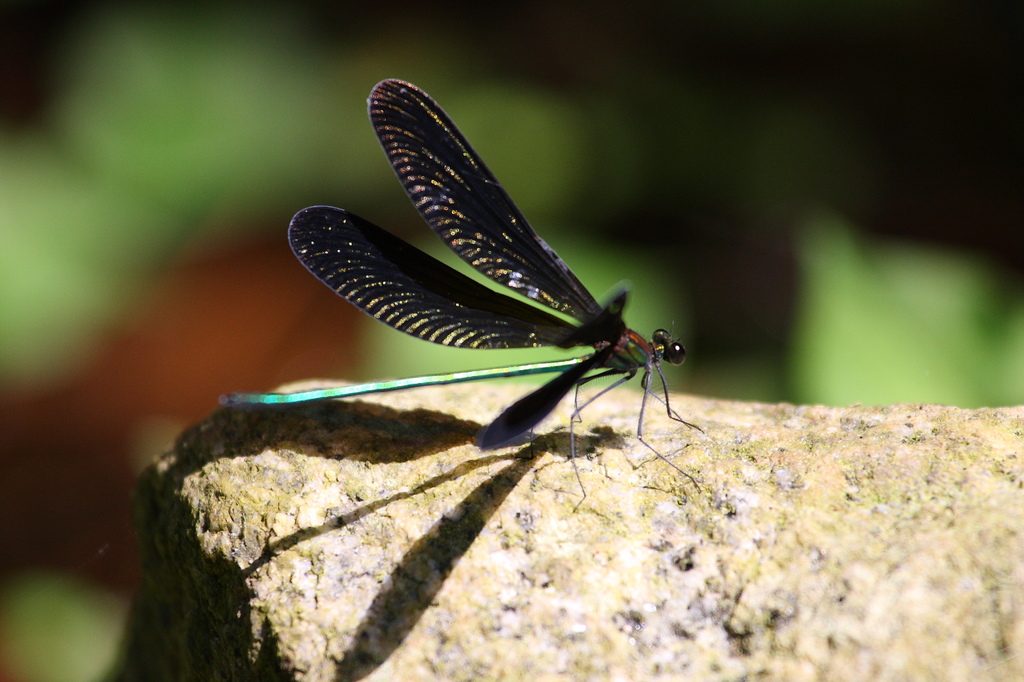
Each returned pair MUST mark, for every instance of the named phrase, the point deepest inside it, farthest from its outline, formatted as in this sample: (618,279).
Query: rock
(370,539)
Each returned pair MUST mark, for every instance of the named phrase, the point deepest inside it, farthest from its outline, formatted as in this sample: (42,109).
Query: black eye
(675,353)
(671,350)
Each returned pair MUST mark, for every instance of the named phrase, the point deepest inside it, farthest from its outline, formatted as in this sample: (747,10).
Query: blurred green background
(823,200)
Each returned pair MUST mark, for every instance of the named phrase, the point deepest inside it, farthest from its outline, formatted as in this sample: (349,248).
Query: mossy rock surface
(371,539)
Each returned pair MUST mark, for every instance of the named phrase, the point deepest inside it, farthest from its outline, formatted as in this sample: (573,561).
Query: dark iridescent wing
(464,204)
(529,410)
(411,291)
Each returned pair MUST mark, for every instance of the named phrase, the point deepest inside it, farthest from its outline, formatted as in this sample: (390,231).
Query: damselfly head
(667,348)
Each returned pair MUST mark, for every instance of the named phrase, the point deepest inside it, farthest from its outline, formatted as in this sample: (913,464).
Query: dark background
(822,199)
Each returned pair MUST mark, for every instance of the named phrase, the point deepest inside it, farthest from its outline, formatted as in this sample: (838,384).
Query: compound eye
(675,353)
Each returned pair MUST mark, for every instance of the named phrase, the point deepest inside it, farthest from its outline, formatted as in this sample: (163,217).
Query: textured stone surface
(371,539)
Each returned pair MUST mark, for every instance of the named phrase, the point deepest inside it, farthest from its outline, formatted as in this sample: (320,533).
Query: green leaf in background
(56,628)
(888,323)
(63,268)
(194,110)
